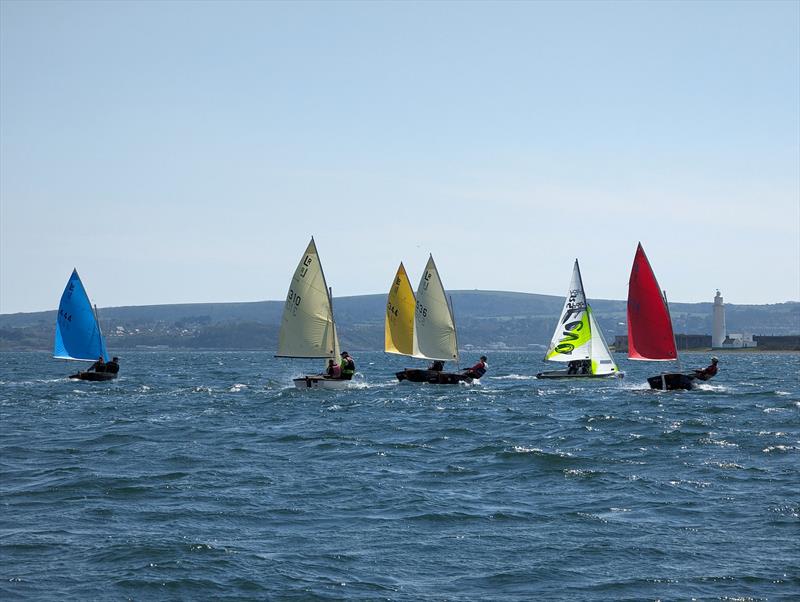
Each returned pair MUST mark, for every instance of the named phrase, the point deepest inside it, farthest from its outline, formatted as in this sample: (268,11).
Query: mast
(455,330)
(100,332)
(674,339)
(333,322)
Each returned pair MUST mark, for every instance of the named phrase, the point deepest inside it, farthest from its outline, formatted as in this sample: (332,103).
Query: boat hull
(320,382)
(671,382)
(93,376)
(565,374)
(433,377)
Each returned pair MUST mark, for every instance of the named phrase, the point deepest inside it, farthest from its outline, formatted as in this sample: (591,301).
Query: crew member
(98,366)
(333,370)
(478,369)
(347,366)
(707,372)
(113,365)
(436,366)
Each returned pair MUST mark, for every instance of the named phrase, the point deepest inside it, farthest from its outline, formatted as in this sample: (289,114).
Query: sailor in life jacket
(478,369)
(348,366)
(333,370)
(707,372)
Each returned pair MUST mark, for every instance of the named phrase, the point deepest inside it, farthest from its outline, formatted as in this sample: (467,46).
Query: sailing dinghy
(422,326)
(78,336)
(650,334)
(578,339)
(308,329)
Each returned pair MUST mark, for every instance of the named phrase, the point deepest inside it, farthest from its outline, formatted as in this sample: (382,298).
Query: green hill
(486,319)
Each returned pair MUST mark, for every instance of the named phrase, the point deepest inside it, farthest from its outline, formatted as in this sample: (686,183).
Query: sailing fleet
(420,326)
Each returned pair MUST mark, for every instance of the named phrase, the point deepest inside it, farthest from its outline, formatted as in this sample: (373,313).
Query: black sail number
(293,301)
(306,263)
(422,311)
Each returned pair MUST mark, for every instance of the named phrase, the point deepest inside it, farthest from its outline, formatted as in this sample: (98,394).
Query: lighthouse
(718,332)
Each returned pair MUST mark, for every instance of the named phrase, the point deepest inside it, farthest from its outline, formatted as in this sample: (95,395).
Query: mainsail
(434,326)
(399,335)
(78,335)
(650,335)
(577,335)
(572,339)
(307,326)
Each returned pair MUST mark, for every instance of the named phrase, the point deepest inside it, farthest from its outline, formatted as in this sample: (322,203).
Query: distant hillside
(486,320)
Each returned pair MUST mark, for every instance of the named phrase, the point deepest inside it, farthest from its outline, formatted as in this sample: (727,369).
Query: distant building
(718,330)
(738,341)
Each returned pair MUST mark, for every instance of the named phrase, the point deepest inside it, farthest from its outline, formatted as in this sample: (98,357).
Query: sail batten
(308,329)
(650,334)
(78,335)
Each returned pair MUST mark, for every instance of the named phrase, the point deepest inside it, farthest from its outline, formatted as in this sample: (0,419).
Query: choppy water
(207,476)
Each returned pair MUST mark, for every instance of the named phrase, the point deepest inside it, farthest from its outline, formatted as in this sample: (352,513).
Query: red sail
(650,335)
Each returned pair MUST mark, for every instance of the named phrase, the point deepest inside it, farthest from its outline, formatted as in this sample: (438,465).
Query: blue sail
(78,335)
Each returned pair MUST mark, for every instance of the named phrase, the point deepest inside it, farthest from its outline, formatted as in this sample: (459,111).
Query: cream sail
(434,327)
(577,335)
(308,329)
(422,326)
(399,335)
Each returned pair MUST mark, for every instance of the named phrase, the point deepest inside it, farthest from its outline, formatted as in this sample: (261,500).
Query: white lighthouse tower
(718,332)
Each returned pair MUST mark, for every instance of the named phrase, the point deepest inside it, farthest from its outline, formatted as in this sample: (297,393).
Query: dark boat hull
(93,376)
(565,374)
(671,382)
(432,377)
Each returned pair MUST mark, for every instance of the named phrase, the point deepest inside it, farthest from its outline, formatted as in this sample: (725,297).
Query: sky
(181,152)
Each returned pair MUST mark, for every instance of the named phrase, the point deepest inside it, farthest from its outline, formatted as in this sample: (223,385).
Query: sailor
(436,366)
(347,366)
(98,366)
(572,367)
(333,371)
(707,372)
(113,365)
(478,369)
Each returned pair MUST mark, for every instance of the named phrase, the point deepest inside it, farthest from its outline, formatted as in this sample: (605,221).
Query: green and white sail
(434,325)
(307,325)
(577,335)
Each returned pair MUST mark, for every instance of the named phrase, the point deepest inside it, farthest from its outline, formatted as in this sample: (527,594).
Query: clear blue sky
(186,152)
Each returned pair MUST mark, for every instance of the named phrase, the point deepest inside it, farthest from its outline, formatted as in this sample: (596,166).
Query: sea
(208,476)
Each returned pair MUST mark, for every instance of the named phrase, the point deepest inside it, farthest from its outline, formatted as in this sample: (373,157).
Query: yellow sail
(399,325)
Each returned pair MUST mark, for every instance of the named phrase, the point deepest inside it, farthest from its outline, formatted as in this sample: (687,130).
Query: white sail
(434,326)
(307,326)
(572,337)
(602,362)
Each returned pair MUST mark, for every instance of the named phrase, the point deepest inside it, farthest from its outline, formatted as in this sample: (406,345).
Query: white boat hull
(314,381)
